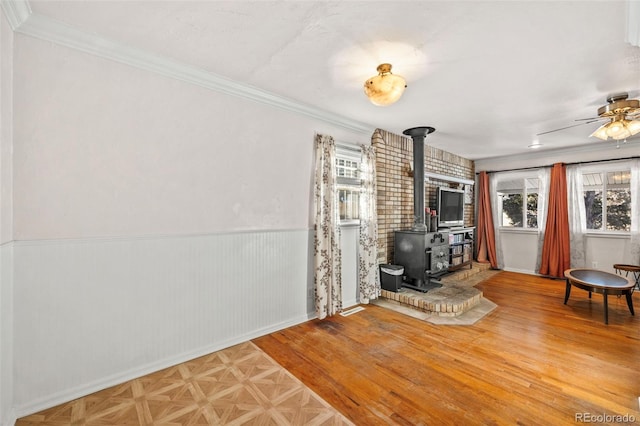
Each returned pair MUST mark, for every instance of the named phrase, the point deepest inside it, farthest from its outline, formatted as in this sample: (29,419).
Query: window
(349,185)
(518,202)
(607,200)
(349,203)
(347,168)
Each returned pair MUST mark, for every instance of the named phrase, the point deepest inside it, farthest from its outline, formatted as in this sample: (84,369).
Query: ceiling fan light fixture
(622,115)
(618,104)
(601,132)
(619,110)
(617,129)
(634,126)
(384,88)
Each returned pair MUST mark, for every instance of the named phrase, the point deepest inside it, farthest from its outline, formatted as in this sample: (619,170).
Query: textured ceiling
(488,76)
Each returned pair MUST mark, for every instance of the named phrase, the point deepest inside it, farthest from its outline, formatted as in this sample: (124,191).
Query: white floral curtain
(368,283)
(495,208)
(635,212)
(327,257)
(544,175)
(577,216)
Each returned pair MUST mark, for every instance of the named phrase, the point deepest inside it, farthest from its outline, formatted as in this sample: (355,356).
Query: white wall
(7,411)
(154,221)
(520,251)
(604,251)
(6,206)
(6,132)
(111,150)
(349,247)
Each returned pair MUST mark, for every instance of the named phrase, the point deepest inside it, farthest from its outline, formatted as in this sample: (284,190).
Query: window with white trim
(518,202)
(607,199)
(349,184)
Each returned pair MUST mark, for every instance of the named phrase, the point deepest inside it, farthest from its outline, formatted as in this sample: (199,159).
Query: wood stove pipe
(418,134)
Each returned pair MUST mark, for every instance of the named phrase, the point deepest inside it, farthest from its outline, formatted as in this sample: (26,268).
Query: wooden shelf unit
(461,242)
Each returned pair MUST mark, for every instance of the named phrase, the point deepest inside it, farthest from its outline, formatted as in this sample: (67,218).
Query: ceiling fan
(622,117)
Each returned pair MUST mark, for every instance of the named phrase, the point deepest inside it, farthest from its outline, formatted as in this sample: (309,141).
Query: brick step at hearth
(469,276)
(456,296)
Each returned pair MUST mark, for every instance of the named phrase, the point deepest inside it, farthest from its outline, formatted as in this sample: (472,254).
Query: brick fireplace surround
(394,155)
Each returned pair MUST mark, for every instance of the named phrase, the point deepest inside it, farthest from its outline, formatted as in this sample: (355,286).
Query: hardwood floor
(533,360)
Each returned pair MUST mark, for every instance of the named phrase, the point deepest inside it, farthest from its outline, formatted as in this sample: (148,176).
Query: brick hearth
(456,296)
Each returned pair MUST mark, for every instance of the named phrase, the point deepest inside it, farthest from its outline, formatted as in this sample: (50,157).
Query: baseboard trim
(520,271)
(346,304)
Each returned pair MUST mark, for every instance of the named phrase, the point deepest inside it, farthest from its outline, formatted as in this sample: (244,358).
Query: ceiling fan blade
(568,127)
(592,118)
(618,108)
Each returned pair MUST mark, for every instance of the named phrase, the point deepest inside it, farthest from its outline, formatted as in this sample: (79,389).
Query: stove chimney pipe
(418,134)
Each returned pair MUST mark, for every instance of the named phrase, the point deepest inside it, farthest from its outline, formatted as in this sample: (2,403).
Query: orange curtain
(486,240)
(556,256)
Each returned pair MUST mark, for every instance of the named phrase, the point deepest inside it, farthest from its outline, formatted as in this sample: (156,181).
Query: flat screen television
(450,207)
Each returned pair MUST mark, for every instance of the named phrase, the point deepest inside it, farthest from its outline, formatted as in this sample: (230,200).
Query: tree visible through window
(514,210)
(606,190)
(610,212)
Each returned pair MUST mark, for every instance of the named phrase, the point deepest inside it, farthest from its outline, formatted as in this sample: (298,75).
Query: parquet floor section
(240,385)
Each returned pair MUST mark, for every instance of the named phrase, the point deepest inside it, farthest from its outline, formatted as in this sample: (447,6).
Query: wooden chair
(634,269)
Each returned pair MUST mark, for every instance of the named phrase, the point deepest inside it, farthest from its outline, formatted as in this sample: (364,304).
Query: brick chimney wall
(394,155)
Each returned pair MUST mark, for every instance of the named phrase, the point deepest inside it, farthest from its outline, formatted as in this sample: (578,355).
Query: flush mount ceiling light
(535,145)
(623,122)
(385,88)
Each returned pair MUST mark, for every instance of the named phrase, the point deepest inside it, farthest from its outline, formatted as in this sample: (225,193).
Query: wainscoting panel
(92,313)
(7,414)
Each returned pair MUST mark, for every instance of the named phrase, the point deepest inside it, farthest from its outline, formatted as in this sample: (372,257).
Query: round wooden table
(596,281)
(634,269)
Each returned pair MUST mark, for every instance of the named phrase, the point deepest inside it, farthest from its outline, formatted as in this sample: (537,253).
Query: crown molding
(16,11)
(54,31)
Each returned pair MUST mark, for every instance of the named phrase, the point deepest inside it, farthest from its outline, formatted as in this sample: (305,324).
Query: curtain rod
(567,164)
